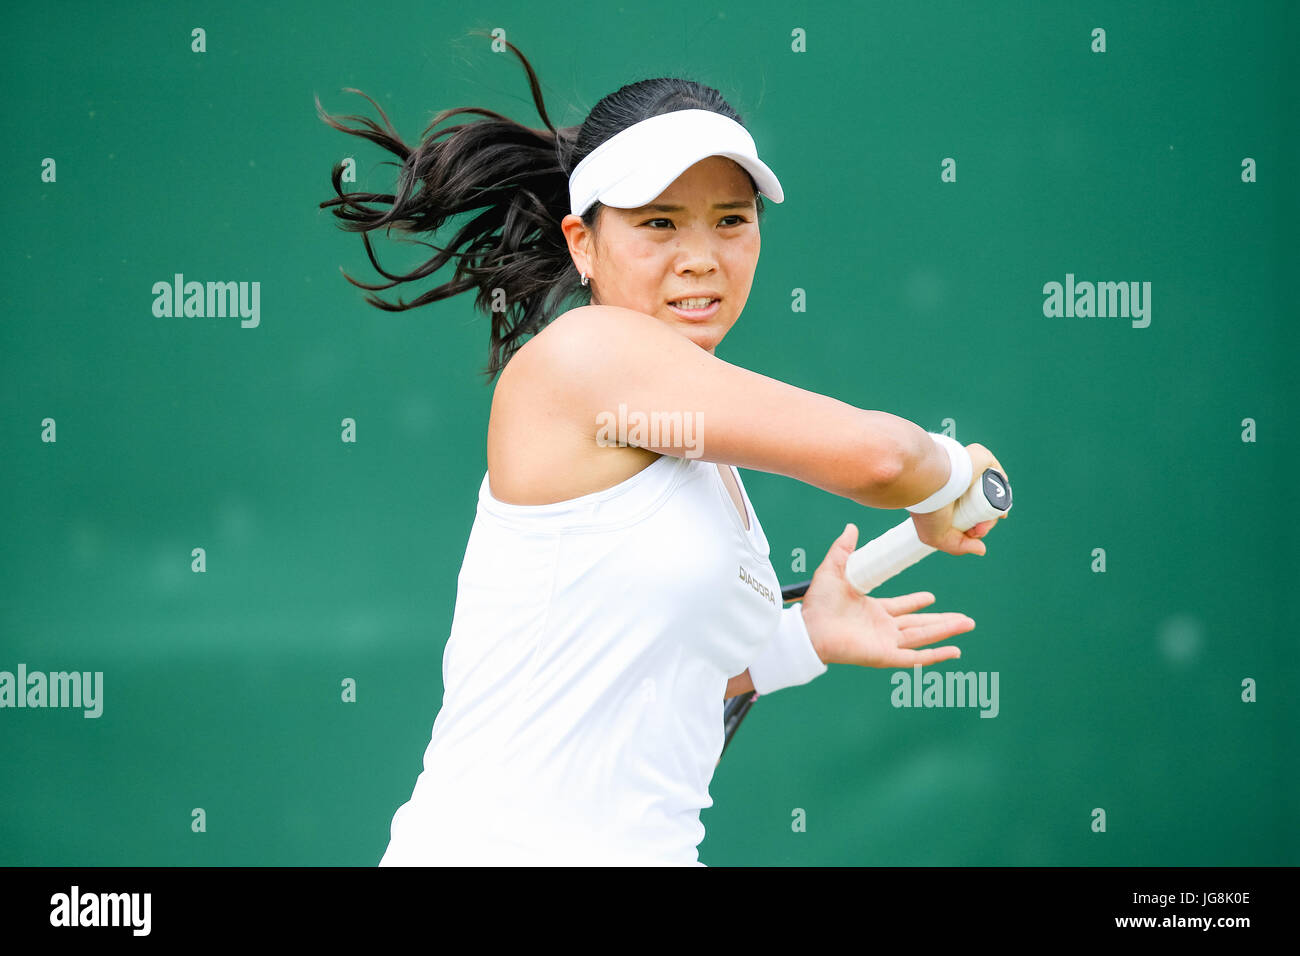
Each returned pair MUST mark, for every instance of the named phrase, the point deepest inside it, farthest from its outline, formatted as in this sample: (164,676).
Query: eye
(741,218)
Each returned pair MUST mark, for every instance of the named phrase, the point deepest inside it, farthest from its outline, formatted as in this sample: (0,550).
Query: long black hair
(514,253)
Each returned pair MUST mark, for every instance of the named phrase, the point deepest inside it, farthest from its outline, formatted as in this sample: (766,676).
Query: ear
(578,238)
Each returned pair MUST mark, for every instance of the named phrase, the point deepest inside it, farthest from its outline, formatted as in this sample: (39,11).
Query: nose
(695,254)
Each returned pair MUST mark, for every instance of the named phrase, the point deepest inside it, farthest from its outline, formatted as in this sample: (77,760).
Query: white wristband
(959,476)
(789,659)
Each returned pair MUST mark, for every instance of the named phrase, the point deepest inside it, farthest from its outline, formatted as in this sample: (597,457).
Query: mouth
(706,312)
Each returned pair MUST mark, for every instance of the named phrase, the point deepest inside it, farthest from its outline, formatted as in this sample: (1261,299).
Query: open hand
(847,627)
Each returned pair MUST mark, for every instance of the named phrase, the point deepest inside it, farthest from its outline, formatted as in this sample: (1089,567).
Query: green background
(325,560)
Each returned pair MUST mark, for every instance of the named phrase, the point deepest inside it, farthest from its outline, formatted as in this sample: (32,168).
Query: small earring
(584,278)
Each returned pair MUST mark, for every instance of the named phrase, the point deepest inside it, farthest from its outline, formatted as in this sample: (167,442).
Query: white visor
(633,167)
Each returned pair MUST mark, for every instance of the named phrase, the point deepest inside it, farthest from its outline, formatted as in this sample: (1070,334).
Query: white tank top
(583,679)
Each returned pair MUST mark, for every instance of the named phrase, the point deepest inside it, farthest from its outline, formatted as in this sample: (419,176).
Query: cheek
(641,259)
(637,247)
(742,258)
(746,249)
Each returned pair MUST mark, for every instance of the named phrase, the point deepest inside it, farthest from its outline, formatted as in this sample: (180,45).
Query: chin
(706,339)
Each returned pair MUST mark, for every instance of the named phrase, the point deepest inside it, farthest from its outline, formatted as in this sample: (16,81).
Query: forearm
(740,684)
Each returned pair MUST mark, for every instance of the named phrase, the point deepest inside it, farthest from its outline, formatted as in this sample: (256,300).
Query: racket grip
(899,548)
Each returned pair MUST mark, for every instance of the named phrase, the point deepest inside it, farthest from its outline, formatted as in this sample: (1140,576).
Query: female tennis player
(616,586)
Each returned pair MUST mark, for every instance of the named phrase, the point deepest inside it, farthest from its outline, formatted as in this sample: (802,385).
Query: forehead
(715,181)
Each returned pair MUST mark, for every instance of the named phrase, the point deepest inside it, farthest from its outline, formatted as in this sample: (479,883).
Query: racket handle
(899,548)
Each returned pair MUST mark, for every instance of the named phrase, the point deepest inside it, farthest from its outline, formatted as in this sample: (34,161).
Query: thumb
(848,540)
(844,545)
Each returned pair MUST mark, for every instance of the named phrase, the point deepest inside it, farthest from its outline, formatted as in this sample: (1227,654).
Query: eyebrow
(743,204)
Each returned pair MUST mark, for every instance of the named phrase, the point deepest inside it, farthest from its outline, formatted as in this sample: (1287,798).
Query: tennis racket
(881,558)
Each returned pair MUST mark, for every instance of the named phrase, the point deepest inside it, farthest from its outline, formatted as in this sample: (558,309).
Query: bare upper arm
(594,358)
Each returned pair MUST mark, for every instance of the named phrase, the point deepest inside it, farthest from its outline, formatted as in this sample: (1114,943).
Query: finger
(837,557)
(848,539)
(904,658)
(937,617)
(905,603)
(938,631)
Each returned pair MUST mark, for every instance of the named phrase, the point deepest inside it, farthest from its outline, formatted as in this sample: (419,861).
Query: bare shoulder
(579,336)
(541,430)
(573,359)
(560,348)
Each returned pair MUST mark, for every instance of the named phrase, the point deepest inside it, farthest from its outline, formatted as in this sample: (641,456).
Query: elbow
(889,457)
(891,460)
